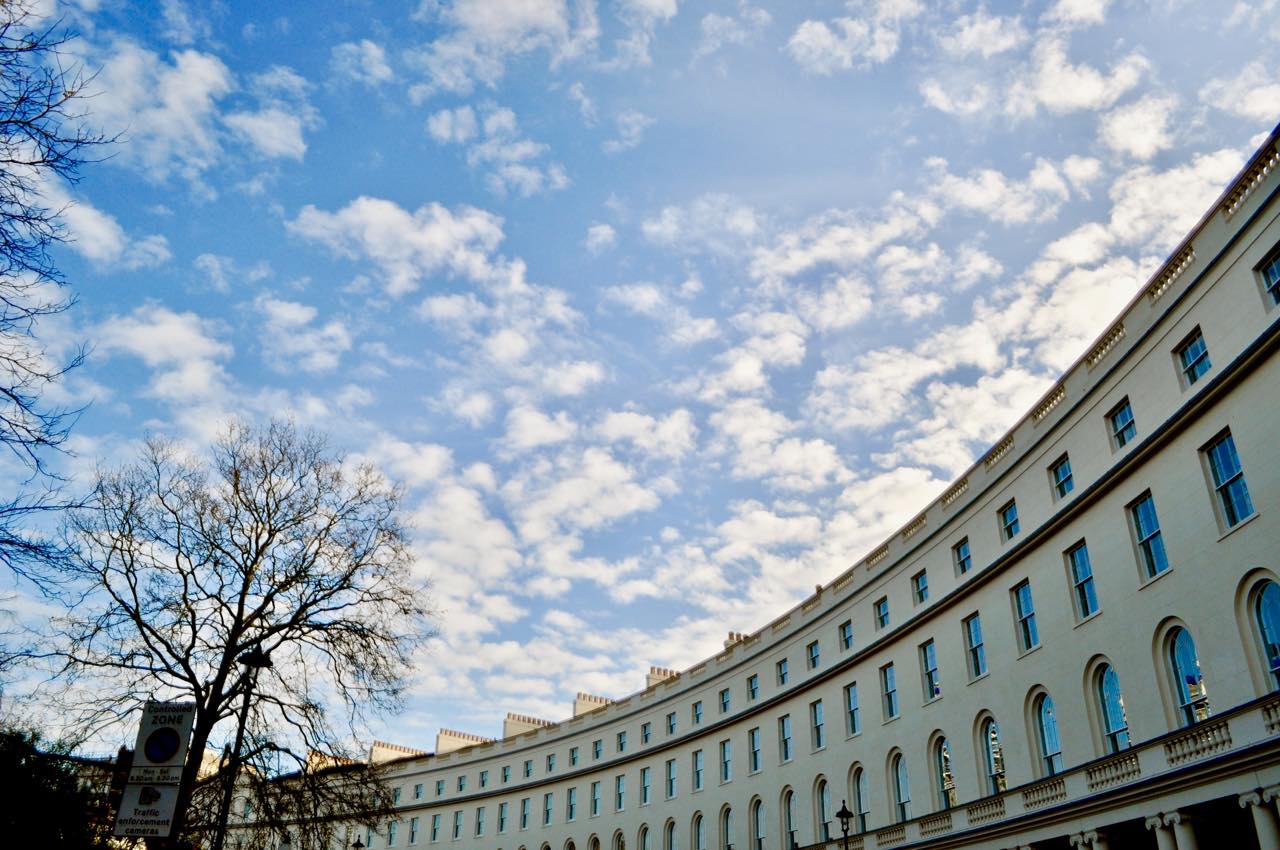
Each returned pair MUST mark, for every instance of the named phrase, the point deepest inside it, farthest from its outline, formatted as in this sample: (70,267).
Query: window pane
(1193,697)
(1267,614)
(1115,724)
(1050,746)
(1228,481)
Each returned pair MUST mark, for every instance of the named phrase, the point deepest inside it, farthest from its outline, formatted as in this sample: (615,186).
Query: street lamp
(253,660)
(845,816)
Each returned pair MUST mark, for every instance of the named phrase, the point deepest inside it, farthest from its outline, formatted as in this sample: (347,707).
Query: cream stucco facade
(1159,669)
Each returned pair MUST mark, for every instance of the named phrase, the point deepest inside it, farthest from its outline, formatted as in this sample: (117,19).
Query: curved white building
(1076,645)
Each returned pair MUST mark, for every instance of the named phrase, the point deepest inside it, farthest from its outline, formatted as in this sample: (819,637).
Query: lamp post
(845,816)
(253,660)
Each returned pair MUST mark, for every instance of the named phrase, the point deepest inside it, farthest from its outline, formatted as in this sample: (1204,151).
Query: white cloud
(848,42)
(530,428)
(717,223)
(1060,87)
(496,142)
(1140,129)
(586,107)
(289,339)
(630,125)
(1078,11)
(1254,93)
(600,238)
(453,125)
(222,271)
(572,378)
(992,194)
(98,236)
(276,127)
(182,350)
(761,447)
(364,61)
(719,31)
(683,329)
(983,35)
(672,436)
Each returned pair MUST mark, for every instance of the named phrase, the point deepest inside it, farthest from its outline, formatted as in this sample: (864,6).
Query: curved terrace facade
(1076,645)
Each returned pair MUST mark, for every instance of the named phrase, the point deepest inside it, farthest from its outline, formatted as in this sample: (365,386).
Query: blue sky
(663,311)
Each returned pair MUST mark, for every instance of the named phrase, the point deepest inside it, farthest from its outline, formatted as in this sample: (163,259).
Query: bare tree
(273,549)
(44,136)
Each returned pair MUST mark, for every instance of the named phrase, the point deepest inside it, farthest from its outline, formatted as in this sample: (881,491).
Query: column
(1264,819)
(1183,834)
(1164,835)
(1091,840)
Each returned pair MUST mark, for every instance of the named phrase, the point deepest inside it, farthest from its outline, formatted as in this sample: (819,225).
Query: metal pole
(255,659)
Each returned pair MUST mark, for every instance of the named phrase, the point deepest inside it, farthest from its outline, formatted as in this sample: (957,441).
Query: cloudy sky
(664,311)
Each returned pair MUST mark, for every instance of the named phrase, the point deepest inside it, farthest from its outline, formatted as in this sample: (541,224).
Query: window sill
(1089,618)
(821,749)
(889,720)
(852,735)
(1027,652)
(1155,578)
(1239,525)
(977,679)
(931,701)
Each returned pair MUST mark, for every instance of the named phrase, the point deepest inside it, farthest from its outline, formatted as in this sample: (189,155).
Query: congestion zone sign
(151,797)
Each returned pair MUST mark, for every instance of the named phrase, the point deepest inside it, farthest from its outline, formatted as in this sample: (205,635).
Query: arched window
(789,819)
(1266,616)
(1050,744)
(645,842)
(823,799)
(669,836)
(726,829)
(901,789)
(1188,684)
(594,843)
(619,842)
(861,800)
(992,756)
(757,825)
(699,833)
(1115,726)
(945,778)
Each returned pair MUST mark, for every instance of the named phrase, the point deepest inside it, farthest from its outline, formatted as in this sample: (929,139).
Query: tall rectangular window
(457,824)
(413,830)
(697,712)
(595,799)
(882,612)
(417,791)
(573,756)
(813,654)
(439,787)
(753,749)
(484,779)
(960,555)
(753,686)
(671,778)
(1270,272)
(502,817)
(462,784)
(506,774)
(548,804)
(671,723)
(479,821)
(646,785)
(435,827)
(697,770)
(784,737)
(646,732)
(619,792)
(571,804)
(889,690)
(846,634)
(525,807)
(528,768)
(852,721)
(1228,481)
(622,742)
(1123,428)
(974,647)
(1009,521)
(726,698)
(597,749)
(1193,358)
(1083,591)
(783,672)
(929,670)
(816,725)
(1146,528)
(391,833)
(726,761)
(1025,610)
(1060,475)
(920,587)
(551,762)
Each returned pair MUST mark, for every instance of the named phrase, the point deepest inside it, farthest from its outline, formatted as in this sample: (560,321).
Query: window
(439,787)
(784,737)
(726,761)
(1270,272)
(524,813)
(783,673)
(1083,592)
(548,802)
(960,554)
(1050,745)
(1188,684)
(726,829)
(1025,610)
(929,671)
(973,645)
(1146,526)
(882,612)
(846,634)
(435,827)
(528,768)
(413,830)
(502,817)
(395,795)
(852,722)
(551,762)
(920,587)
(462,784)
(671,778)
(506,774)
(1123,429)
(646,732)
(814,655)
(992,756)
(753,686)
(816,725)
(789,816)
(391,833)
(597,749)
(1115,726)
(619,792)
(622,742)
(1228,481)
(1060,475)
(824,811)
(484,779)
(595,799)
(889,687)
(1266,618)
(645,843)
(697,712)
(573,757)
(943,775)
(1193,358)
(646,785)
(753,749)
(757,826)
(671,723)
(479,821)
(417,791)
(1009,521)
(726,699)
(699,833)
(861,801)
(669,836)
(901,790)
(697,770)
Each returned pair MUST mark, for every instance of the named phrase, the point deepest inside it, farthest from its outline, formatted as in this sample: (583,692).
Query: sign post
(150,798)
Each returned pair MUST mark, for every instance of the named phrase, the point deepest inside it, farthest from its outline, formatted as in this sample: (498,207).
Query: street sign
(163,736)
(147,811)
